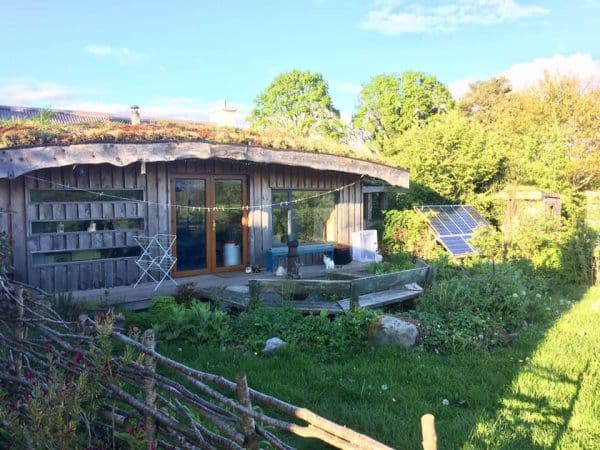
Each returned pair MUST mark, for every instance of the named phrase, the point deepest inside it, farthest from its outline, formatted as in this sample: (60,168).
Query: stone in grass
(273,345)
(393,331)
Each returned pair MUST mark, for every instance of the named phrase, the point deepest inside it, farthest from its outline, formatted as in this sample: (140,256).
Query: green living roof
(43,144)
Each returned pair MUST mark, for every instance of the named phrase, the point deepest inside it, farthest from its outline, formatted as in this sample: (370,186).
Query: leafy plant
(197,324)
(406,232)
(67,307)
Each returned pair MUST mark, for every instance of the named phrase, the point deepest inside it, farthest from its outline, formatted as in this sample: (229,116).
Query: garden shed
(72,207)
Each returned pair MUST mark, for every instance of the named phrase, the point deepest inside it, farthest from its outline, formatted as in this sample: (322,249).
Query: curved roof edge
(18,161)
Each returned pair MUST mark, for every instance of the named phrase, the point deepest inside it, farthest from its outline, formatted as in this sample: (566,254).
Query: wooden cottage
(72,211)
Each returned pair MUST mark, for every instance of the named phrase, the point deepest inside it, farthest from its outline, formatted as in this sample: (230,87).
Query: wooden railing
(351,288)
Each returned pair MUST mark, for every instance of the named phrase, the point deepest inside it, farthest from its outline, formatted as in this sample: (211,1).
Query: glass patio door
(190,225)
(210,224)
(228,217)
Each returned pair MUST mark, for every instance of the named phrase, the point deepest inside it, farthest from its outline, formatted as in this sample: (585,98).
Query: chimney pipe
(135,115)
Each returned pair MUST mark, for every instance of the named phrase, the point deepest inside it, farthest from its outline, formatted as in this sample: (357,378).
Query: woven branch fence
(173,405)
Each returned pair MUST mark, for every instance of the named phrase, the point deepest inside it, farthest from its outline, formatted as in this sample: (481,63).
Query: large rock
(394,331)
(273,345)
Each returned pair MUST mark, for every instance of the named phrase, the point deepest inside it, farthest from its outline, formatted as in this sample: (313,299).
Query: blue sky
(179,58)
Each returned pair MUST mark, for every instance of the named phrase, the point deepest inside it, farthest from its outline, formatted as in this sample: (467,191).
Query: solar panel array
(454,226)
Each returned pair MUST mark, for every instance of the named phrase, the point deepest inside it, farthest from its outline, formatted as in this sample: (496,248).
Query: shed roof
(60,116)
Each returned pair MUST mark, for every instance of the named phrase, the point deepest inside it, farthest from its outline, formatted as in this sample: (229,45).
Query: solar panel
(453,226)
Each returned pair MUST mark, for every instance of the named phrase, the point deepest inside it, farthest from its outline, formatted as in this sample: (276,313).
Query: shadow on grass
(540,403)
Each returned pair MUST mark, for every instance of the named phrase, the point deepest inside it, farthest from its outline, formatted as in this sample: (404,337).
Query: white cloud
(28,91)
(122,54)
(523,75)
(459,88)
(396,17)
(578,65)
(47,94)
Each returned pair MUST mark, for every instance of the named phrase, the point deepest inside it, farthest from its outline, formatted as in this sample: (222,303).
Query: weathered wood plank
(163,200)
(18,228)
(320,287)
(5,206)
(380,299)
(391,280)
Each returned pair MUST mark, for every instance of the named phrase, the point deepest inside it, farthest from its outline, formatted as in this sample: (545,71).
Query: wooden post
(428,430)
(354,294)
(248,425)
(150,388)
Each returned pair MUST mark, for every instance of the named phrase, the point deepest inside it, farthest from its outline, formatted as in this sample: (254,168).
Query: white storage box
(364,245)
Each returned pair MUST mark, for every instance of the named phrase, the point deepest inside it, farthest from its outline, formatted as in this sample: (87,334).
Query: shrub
(197,324)
(478,309)
(396,263)
(407,232)
(318,334)
(67,307)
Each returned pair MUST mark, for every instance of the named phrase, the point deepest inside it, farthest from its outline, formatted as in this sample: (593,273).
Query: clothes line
(110,197)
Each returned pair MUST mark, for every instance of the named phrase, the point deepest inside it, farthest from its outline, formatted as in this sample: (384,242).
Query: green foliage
(397,262)
(450,156)
(298,102)
(478,309)
(548,134)
(318,334)
(175,324)
(46,116)
(196,324)
(391,104)
(488,241)
(67,307)
(407,232)
(577,252)
(49,417)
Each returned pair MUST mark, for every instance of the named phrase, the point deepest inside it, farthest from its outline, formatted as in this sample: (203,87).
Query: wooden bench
(303,249)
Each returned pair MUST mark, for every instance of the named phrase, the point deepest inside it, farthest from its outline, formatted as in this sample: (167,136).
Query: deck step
(381,298)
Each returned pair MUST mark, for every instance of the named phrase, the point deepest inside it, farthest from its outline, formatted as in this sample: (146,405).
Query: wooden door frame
(210,236)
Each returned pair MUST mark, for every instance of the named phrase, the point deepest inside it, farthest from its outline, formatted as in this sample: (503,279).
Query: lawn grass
(542,392)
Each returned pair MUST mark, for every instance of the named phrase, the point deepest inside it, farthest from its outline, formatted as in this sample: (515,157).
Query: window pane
(190,224)
(228,222)
(306,216)
(68,226)
(67,195)
(84,255)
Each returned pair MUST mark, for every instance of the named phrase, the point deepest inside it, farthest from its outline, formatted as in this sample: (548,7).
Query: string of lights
(110,197)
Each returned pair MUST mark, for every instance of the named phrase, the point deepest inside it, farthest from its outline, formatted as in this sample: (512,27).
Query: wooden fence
(181,407)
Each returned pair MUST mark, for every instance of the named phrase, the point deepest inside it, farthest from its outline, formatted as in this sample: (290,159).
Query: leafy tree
(485,100)
(550,134)
(299,103)
(391,104)
(449,155)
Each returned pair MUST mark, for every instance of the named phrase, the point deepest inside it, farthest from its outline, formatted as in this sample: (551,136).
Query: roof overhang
(18,161)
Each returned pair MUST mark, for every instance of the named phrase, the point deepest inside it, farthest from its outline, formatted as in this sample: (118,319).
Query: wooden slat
(321,287)
(5,206)
(18,228)
(73,276)
(152,197)
(265,215)
(381,298)
(163,210)
(391,280)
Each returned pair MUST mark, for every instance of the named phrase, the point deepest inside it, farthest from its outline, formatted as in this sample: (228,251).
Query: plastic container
(364,246)
(232,255)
